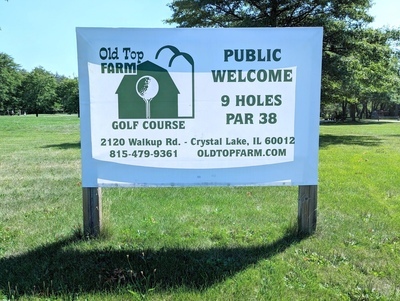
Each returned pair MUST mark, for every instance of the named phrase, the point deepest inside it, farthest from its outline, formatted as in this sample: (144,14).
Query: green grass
(216,243)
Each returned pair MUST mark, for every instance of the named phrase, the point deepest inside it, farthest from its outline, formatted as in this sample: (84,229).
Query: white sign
(166,107)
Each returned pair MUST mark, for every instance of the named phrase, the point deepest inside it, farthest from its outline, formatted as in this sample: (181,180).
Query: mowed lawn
(220,243)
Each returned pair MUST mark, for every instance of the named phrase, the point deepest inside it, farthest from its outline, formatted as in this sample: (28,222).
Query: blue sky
(42,32)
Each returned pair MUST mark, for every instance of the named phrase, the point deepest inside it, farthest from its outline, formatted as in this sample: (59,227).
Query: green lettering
(218,75)
(275,76)
(231,75)
(287,75)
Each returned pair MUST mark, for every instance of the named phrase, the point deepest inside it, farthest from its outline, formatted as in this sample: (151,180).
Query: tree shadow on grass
(359,122)
(61,269)
(64,145)
(326,140)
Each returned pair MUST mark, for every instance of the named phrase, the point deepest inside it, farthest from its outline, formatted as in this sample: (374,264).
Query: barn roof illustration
(163,105)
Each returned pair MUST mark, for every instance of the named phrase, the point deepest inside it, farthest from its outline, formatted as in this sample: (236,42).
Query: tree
(358,64)
(68,93)
(357,60)
(10,80)
(265,13)
(39,91)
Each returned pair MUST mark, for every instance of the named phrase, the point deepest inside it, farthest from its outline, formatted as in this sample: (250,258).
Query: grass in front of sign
(231,243)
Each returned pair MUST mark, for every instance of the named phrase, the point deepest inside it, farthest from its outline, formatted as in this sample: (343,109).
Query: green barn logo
(152,93)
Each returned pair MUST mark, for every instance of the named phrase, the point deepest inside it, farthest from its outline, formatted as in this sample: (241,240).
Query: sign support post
(92,213)
(307,209)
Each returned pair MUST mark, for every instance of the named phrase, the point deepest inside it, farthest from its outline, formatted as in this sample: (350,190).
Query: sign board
(187,107)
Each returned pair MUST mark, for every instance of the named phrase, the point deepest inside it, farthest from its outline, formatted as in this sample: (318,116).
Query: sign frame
(246,50)
(301,171)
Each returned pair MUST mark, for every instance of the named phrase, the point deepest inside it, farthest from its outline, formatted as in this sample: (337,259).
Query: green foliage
(68,93)
(39,91)
(367,69)
(360,64)
(10,80)
(266,13)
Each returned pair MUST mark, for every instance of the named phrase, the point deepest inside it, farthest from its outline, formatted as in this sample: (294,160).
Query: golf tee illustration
(147,88)
(153,93)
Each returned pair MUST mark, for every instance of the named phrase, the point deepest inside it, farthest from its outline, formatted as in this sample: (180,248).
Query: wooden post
(307,214)
(91,211)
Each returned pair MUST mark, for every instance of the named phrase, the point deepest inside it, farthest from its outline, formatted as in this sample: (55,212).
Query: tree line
(35,92)
(360,67)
